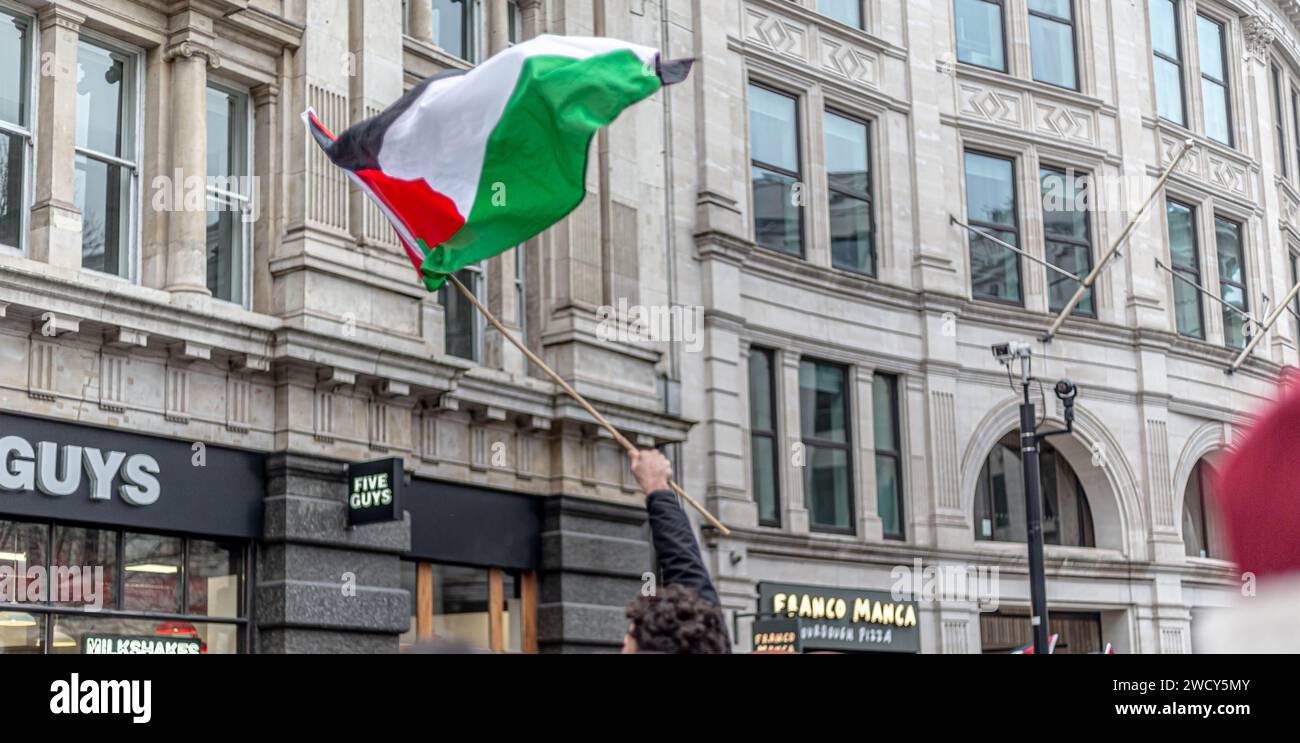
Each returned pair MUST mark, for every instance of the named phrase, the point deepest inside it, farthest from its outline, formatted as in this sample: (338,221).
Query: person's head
(675,621)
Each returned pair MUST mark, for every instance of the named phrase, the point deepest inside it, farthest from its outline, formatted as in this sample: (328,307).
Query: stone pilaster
(323,587)
(56,220)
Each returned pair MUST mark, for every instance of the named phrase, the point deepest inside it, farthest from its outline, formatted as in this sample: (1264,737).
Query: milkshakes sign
(374,492)
(844,620)
(52,470)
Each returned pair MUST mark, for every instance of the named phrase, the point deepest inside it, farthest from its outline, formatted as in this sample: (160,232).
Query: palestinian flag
(470,164)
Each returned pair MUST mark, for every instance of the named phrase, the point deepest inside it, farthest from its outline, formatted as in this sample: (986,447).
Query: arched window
(1200,533)
(1000,498)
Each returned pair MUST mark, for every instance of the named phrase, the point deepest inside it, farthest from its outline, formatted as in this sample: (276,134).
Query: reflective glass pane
(1164,28)
(1182,237)
(13,182)
(777,212)
(1215,101)
(1228,241)
(995,270)
(23,550)
(1187,307)
(141,635)
(763,453)
(227,117)
(760,391)
(1234,325)
(103,117)
(21,633)
(85,566)
(990,190)
(884,407)
(15,75)
(823,402)
(451,26)
(462,318)
(851,246)
(1052,45)
(103,194)
(214,577)
(460,606)
(1065,205)
(1057,8)
(979,33)
(848,12)
(888,504)
(1077,259)
(151,573)
(826,485)
(226,237)
(846,154)
(1169,91)
(1209,36)
(773,131)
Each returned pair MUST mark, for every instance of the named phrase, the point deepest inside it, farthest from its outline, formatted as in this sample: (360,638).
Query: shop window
(106,164)
(979,33)
(1000,498)
(1006,630)
(229,197)
(72,585)
(828,457)
(1051,42)
(775,170)
(764,441)
(991,210)
(16,39)
(848,173)
(459,609)
(1068,238)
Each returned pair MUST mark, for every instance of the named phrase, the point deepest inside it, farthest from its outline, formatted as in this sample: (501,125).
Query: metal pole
(1033,515)
(1114,249)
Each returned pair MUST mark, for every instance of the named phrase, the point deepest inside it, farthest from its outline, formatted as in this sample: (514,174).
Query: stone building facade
(269,310)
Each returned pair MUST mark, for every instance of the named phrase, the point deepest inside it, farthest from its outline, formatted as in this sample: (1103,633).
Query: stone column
(323,587)
(421,23)
(190,54)
(56,220)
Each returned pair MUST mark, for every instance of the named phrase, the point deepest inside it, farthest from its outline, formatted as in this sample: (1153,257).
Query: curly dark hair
(677,621)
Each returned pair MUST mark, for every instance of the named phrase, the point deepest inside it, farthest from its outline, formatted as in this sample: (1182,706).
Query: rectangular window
(1167,50)
(848,171)
(521,292)
(1051,41)
(889,456)
(979,33)
(16,38)
(764,444)
(991,210)
(464,323)
(848,12)
(106,157)
(774,151)
(1068,238)
(1232,280)
(514,23)
(455,27)
(230,208)
(824,423)
(1214,80)
(1279,123)
(1186,263)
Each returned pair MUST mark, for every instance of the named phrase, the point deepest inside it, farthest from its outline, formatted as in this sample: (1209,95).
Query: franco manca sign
(844,620)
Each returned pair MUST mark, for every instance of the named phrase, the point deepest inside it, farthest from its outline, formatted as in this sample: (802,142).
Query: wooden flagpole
(620,438)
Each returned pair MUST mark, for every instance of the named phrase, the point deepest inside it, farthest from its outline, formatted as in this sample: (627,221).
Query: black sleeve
(679,554)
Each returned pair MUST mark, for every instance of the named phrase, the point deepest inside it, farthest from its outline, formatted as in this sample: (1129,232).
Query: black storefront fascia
(840,620)
(180,497)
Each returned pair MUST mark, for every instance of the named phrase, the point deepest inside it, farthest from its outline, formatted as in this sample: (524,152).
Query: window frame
(798,176)
(135,106)
(1198,274)
(1086,244)
(1073,24)
(774,434)
(479,290)
(1225,83)
(249,125)
(847,446)
(1178,63)
(1002,32)
(28,132)
(980,225)
(868,197)
(862,15)
(896,412)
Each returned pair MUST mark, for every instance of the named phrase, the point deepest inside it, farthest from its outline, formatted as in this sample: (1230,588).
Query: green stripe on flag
(535,165)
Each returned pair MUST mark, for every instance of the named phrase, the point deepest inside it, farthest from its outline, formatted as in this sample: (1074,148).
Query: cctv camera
(1066,391)
(1005,353)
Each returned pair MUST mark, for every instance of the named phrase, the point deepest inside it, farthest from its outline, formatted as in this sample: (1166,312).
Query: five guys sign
(374,491)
